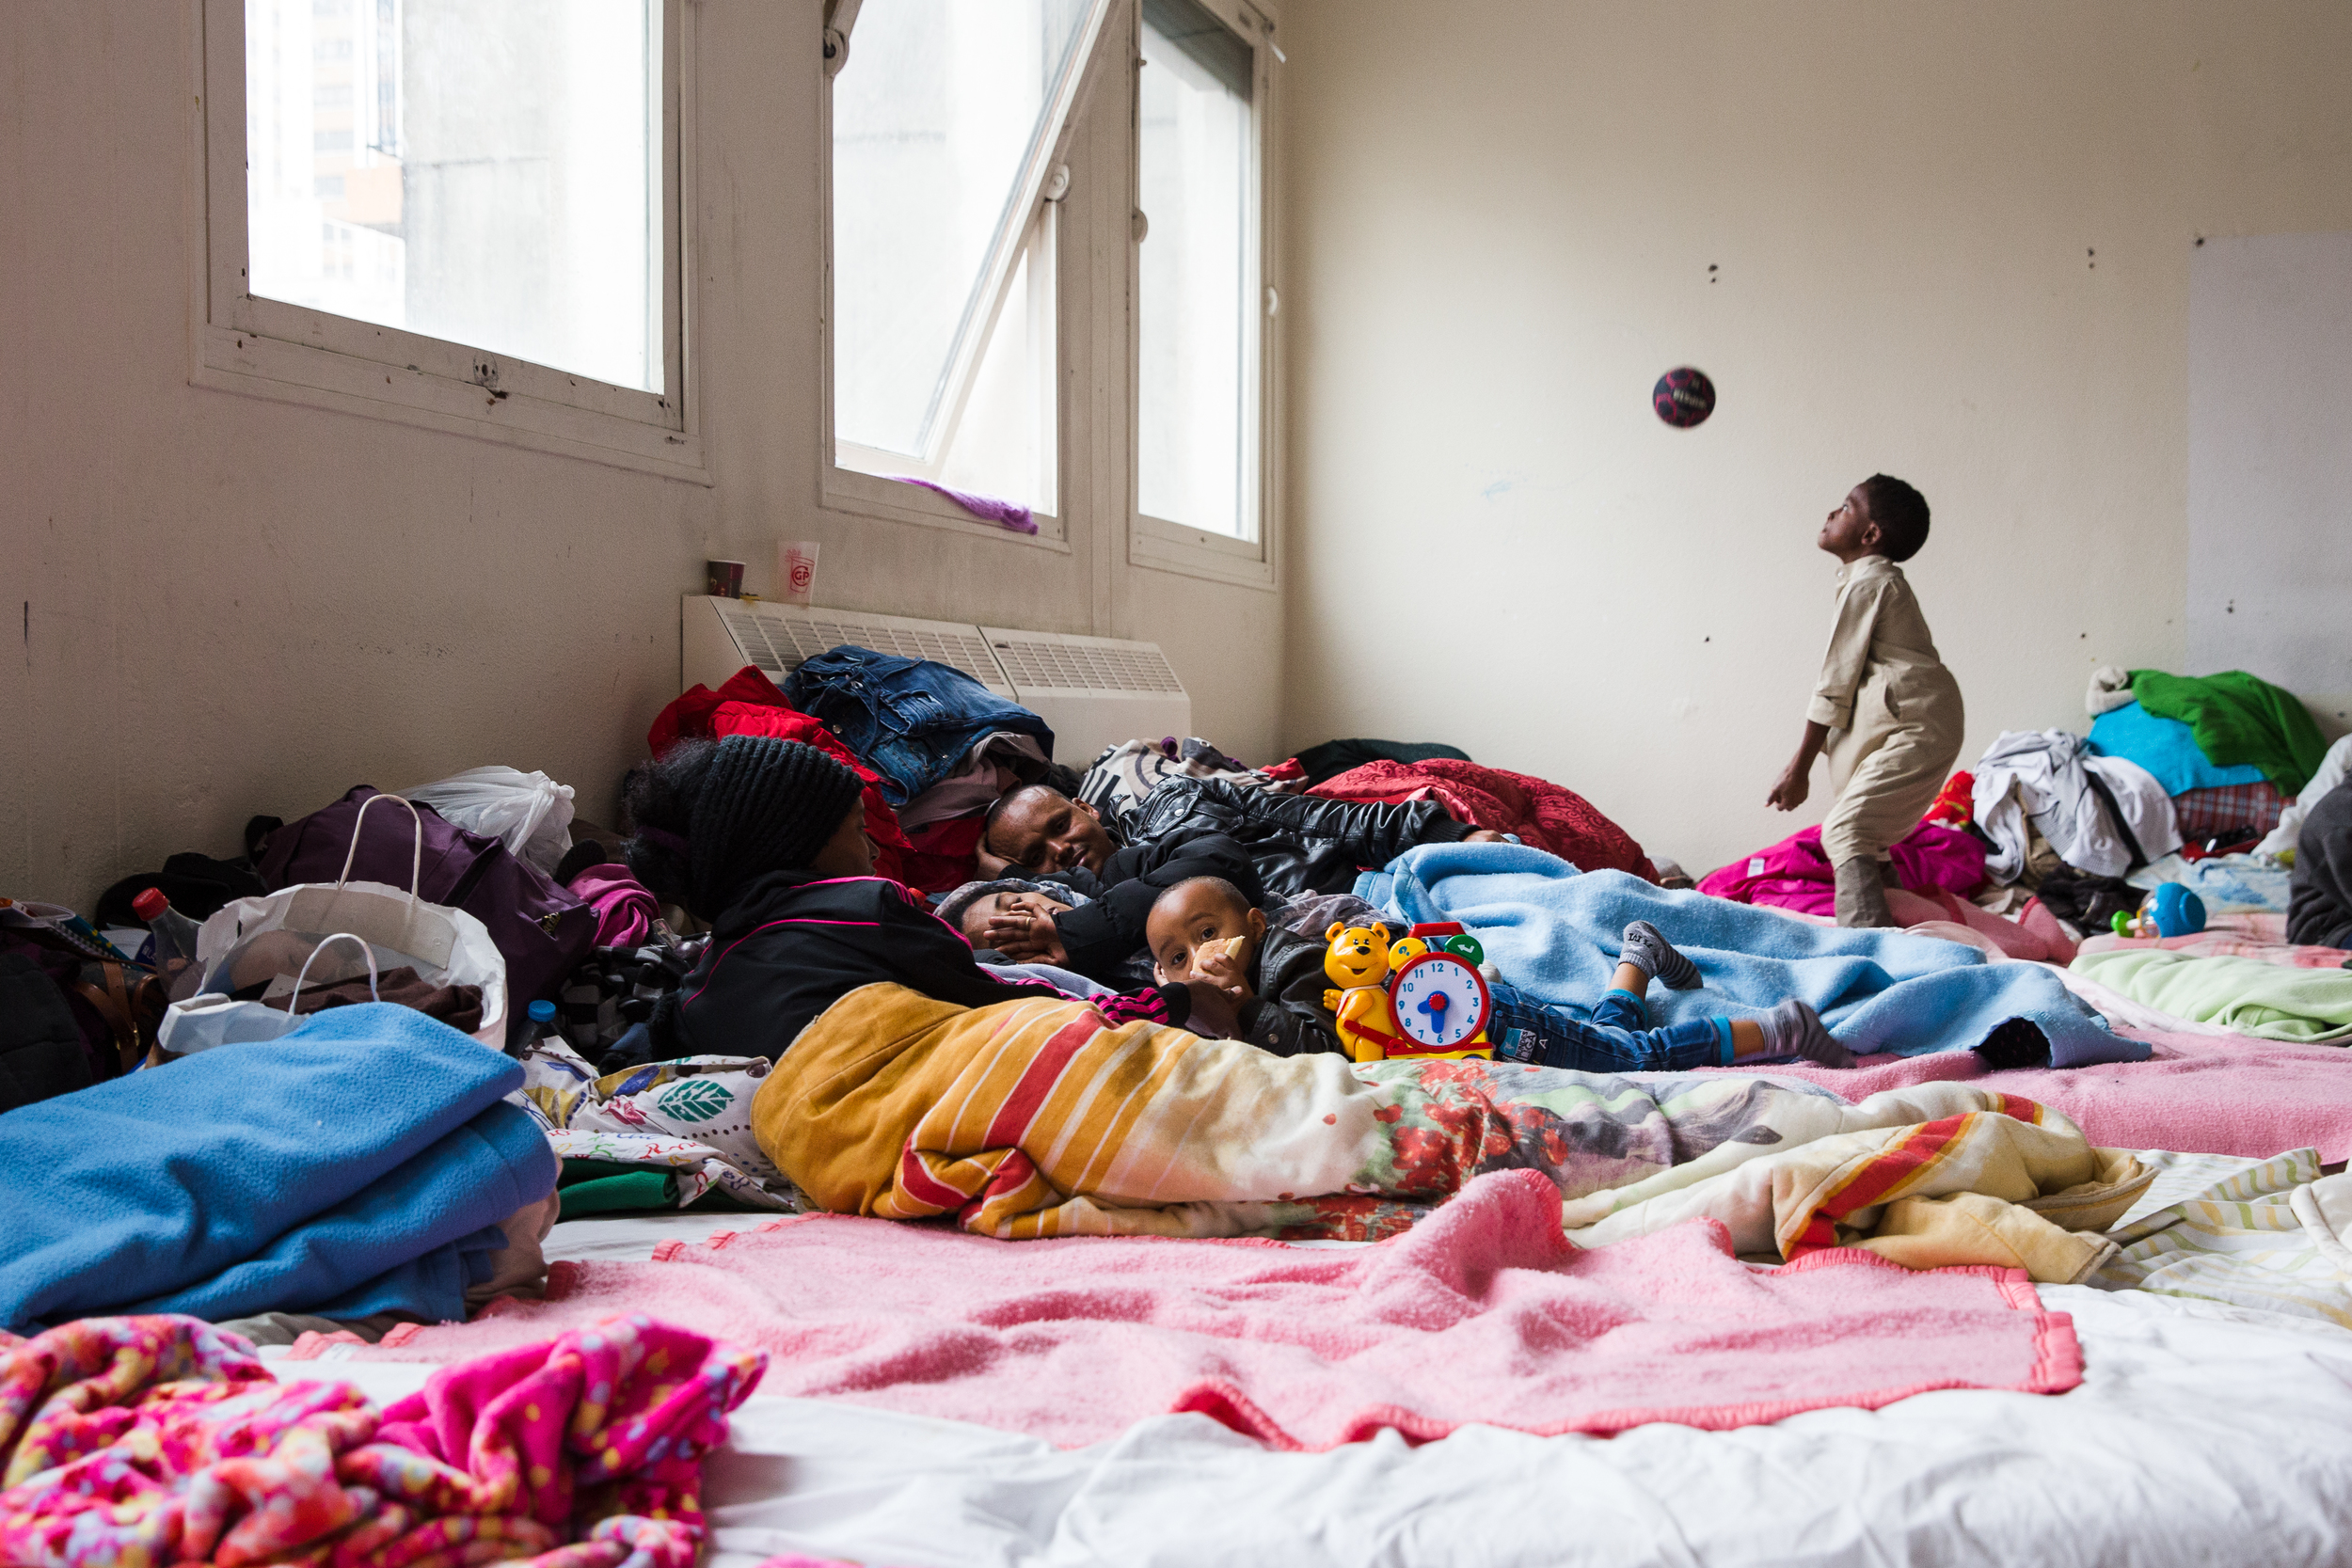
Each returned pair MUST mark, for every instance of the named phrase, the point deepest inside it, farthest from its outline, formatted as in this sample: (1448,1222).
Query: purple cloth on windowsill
(1012,515)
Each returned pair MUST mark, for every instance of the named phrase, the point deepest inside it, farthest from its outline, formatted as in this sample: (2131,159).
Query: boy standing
(1885,708)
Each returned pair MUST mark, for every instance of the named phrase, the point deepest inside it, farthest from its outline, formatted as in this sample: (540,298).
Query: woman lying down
(910,1083)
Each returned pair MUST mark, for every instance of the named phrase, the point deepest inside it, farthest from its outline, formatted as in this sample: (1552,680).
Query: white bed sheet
(2202,1434)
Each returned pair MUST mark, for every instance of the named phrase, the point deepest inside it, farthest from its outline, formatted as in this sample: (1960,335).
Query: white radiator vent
(1045,660)
(780,637)
(1095,691)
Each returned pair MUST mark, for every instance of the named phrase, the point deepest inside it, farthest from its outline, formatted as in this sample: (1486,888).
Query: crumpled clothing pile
(690,1115)
(150,1440)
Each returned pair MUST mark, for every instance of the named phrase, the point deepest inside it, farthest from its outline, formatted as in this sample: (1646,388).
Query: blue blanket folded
(2166,748)
(1554,932)
(350,1167)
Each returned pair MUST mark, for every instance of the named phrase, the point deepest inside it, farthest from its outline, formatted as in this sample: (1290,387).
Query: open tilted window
(949,120)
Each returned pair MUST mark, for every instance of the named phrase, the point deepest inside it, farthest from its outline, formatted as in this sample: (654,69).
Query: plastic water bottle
(174,945)
(542,1024)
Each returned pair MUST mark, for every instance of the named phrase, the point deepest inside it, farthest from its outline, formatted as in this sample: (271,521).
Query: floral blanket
(151,1440)
(1041,1118)
(690,1115)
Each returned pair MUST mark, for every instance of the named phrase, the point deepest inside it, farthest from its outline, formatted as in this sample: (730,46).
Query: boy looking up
(1885,708)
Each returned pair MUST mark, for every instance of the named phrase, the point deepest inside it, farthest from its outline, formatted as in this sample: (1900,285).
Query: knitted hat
(953,907)
(761,805)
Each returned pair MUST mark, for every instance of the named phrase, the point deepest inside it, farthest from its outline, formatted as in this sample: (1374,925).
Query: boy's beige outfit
(1893,709)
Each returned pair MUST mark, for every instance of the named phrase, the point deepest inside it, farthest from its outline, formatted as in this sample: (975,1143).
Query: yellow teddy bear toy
(1358,966)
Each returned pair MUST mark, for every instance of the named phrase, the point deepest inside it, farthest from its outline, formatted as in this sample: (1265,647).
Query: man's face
(1041,831)
(981,909)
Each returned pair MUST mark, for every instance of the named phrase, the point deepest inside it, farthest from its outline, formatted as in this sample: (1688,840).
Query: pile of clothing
(2210,782)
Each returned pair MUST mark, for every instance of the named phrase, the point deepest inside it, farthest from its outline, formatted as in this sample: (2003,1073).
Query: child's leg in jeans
(1618,1039)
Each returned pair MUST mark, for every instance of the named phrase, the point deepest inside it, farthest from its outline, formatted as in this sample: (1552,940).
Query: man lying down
(909,1084)
(1067,889)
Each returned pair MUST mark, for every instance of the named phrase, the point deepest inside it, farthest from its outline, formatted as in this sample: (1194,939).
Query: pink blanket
(1795,874)
(2228,944)
(1483,1313)
(163,1439)
(2200,1094)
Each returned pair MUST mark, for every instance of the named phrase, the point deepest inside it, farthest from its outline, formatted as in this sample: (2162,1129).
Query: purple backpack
(543,931)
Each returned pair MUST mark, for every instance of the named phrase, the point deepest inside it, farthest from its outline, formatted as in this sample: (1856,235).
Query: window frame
(260,347)
(860,494)
(1157,542)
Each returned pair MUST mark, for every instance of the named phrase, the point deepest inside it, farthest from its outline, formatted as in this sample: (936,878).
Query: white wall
(1504,217)
(228,605)
(2270,462)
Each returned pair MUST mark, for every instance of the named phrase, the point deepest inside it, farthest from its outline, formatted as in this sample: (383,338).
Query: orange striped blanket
(1038,1118)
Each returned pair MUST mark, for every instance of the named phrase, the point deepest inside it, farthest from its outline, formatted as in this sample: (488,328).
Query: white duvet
(2202,1434)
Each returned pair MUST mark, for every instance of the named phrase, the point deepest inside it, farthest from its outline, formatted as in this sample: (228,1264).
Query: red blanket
(749,703)
(1539,811)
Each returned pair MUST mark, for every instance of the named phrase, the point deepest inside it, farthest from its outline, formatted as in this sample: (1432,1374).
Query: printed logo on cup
(796,571)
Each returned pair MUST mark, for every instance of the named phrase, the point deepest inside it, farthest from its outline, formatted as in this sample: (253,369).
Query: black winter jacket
(1102,937)
(1286,1015)
(2319,895)
(1298,844)
(795,943)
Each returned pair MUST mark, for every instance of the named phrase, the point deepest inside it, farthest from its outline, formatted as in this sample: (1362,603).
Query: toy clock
(1441,1002)
(1421,995)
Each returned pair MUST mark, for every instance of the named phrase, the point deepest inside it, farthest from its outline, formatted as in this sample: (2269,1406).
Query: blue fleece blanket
(2166,748)
(1555,932)
(360,1165)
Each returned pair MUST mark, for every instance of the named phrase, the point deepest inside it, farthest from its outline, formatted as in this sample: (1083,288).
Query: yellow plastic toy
(1446,995)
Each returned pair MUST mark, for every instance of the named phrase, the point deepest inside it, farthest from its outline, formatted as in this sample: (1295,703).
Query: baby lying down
(1204,930)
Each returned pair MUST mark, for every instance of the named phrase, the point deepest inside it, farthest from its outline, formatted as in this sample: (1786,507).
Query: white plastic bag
(2332,770)
(274,938)
(209,1019)
(530,813)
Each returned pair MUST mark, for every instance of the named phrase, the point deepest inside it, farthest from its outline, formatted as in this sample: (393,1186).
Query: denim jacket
(910,719)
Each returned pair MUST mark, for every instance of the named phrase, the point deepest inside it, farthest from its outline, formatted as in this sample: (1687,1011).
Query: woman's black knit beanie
(760,805)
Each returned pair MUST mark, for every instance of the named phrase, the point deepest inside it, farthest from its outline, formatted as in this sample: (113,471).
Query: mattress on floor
(2202,1434)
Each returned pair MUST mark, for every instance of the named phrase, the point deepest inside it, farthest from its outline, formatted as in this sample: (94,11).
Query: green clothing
(615,1186)
(2239,720)
(2309,1007)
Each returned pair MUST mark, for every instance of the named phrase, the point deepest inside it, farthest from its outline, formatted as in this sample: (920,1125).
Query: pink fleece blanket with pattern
(1483,1313)
(2199,1094)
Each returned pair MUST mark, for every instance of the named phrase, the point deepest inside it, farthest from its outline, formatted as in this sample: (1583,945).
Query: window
(1200,404)
(1048,274)
(945,196)
(460,214)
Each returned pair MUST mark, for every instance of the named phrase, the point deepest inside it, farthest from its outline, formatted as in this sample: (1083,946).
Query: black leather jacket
(1299,844)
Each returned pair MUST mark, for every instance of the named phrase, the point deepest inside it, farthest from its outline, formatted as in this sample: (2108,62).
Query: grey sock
(1652,953)
(1794,1029)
